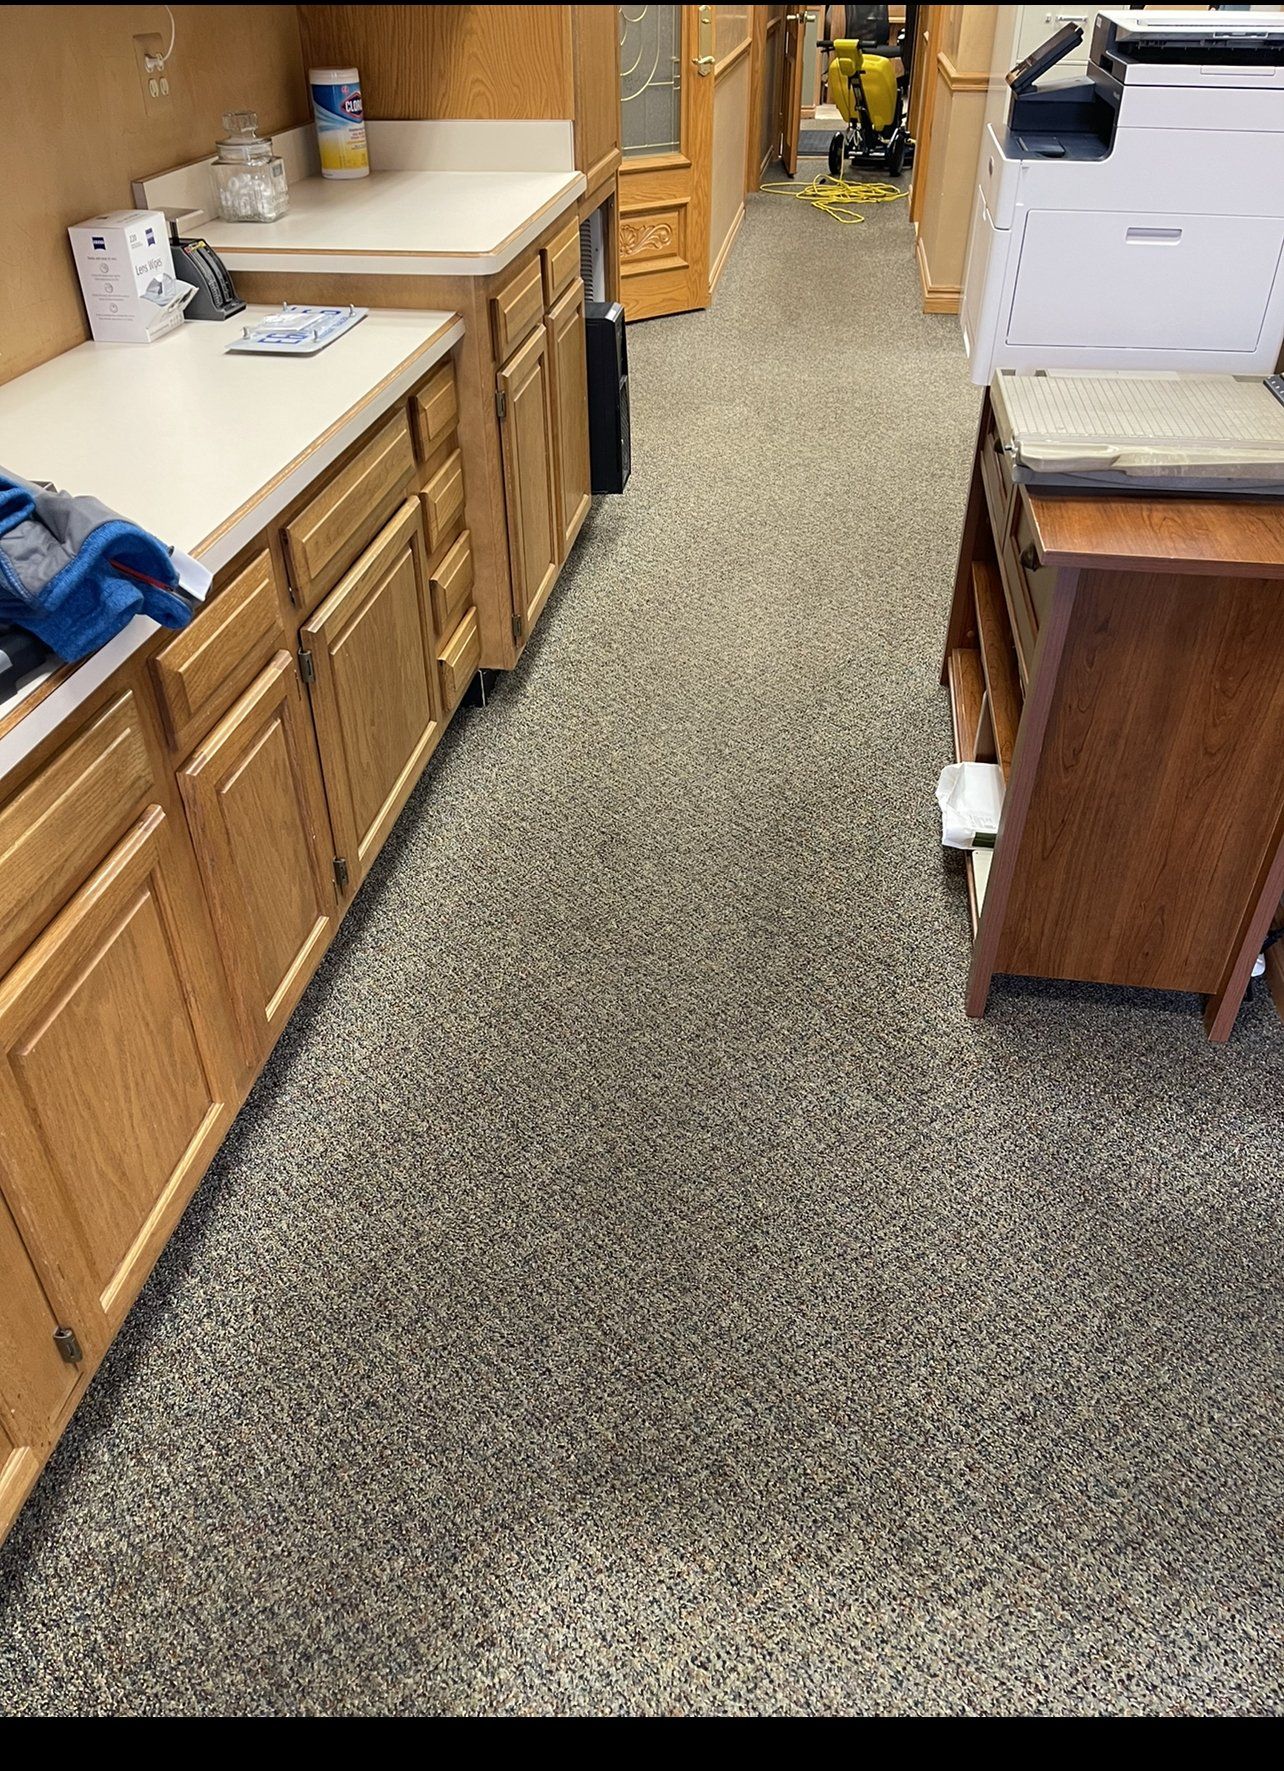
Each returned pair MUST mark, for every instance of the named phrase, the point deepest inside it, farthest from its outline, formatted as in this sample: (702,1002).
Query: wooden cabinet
(330,531)
(199,671)
(258,820)
(435,409)
(57,828)
(569,376)
(530,477)
(444,501)
(36,1382)
(561,263)
(375,694)
(1122,661)
(518,307)
(173,867)
(112,1077)
(459,658)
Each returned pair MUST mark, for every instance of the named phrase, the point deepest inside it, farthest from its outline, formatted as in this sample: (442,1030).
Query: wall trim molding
(938,298)
(724,251)
(956,79)
(729,61)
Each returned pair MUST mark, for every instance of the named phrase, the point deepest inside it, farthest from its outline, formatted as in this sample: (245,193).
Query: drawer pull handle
(1030,558)
(1153,236)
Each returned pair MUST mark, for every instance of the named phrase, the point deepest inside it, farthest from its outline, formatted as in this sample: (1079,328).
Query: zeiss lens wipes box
(126,272)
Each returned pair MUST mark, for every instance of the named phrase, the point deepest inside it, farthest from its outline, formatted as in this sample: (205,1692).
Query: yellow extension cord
(838,197)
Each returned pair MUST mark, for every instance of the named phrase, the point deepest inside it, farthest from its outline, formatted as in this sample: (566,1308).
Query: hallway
(633,1286)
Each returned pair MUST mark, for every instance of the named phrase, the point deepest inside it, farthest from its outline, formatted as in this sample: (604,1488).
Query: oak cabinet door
(375,693)
(258,821)
(36,1383)
(530,478)
(112,1090)
(568,364)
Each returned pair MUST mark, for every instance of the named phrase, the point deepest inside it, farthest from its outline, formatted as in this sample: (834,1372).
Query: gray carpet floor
(634,1286)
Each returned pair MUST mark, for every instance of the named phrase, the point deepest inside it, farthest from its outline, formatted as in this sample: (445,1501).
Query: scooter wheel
(836,154)
(896,154)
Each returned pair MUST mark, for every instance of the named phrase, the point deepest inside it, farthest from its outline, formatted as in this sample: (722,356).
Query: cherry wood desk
(1122,660)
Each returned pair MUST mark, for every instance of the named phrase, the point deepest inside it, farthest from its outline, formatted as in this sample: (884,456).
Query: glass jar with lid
(248,176)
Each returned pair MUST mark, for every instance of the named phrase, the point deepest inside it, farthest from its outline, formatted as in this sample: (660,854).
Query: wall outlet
(149,46)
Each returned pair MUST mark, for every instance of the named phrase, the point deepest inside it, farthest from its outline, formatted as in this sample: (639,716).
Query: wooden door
(112,1090)
(375,695)
(791,89)
(666,173)
(569,373)
(36,1383)
(528,434)
(258,819)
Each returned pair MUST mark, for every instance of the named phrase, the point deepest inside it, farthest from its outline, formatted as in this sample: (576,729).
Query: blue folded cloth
(74,573)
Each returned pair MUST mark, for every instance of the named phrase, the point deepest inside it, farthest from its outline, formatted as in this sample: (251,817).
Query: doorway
(709,98)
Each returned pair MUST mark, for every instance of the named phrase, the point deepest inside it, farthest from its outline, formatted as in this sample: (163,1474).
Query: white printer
(1135,219)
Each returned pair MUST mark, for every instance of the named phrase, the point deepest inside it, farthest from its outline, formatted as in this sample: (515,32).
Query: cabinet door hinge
(340,874)
(501,405)
(517,627)
(68,1346)
(307,670)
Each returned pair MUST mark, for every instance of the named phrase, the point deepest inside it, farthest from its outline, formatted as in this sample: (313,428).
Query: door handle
(704,63)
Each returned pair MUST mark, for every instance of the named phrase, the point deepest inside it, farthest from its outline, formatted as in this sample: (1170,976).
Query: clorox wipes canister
(340,122)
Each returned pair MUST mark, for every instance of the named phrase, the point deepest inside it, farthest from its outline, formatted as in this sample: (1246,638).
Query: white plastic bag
(970,796)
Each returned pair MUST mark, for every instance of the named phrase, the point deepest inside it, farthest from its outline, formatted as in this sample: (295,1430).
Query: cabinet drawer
(451,584)
(518,309)
(329,533)
(436,410)
(561,263)
(1038,577)
(58,828)
(458,660)
(443,498)
(201,673)
(996,477)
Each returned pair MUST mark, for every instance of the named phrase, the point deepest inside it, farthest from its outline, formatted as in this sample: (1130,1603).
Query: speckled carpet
(634,1286)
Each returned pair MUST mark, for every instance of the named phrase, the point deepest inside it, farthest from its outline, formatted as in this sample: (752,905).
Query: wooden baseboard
(724,250)
(938,298)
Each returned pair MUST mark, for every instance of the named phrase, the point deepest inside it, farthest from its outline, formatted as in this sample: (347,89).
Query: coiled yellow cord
(838,197)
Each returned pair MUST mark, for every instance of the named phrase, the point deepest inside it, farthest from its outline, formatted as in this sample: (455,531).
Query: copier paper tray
(1170,432)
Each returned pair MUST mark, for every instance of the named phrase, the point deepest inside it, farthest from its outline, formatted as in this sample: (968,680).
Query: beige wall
(81,132)
(731,115)
(945,167)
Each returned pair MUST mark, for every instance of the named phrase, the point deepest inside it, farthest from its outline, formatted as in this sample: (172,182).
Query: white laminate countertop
(200,447)
(414,224)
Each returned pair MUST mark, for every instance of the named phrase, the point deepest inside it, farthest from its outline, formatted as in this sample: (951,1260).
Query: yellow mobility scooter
(871,102)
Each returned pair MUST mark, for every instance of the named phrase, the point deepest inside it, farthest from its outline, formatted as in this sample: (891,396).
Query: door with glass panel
(791,84)
(667,61)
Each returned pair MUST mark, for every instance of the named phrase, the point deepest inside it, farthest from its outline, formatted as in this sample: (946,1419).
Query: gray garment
(38,548)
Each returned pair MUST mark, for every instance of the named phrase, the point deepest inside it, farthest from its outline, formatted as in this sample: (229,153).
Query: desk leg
(1222,1008)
